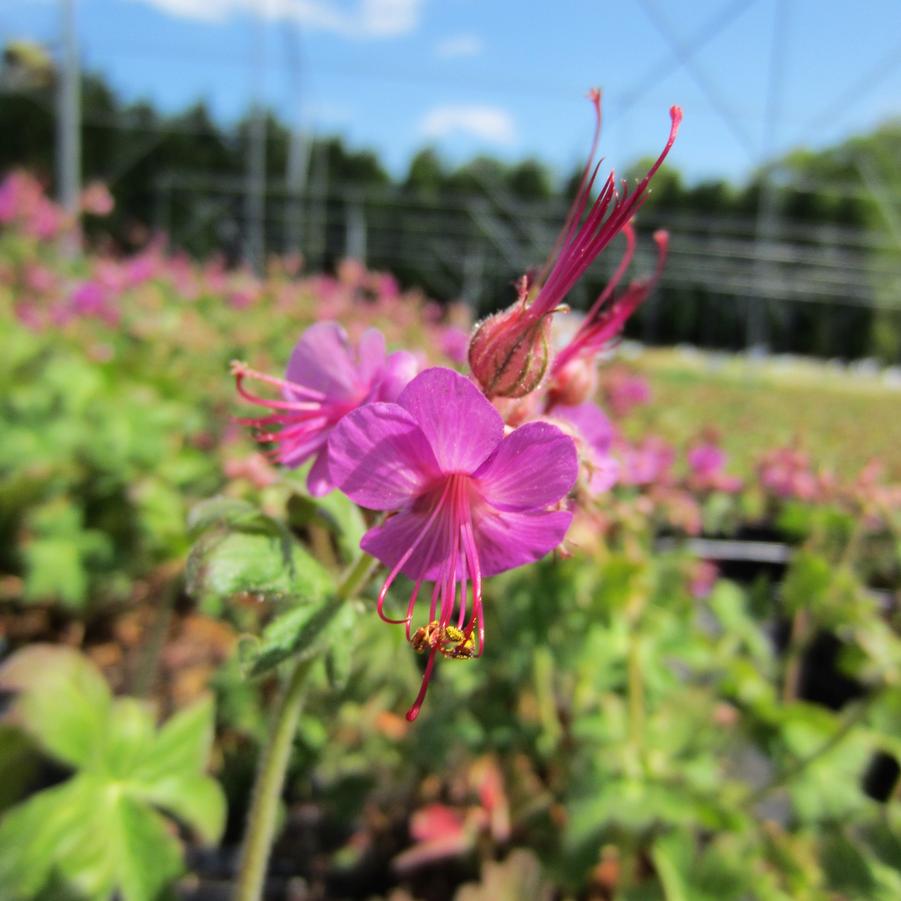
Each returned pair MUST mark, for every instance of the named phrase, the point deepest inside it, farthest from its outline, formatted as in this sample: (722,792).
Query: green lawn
(842,420)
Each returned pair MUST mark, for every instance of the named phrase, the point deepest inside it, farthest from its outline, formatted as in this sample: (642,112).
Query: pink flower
(623,391)
(706,459)
(647,462)
(708,464)
(594,435)
(508,353)
(326,379)
(704,574)
(96,199)
(470,502)
(607,317)
(454,342)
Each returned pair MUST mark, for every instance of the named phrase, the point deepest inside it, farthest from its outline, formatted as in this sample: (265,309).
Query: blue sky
(509,77)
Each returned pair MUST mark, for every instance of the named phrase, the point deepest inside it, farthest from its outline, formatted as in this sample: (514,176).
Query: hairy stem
(259,830)
(851,719)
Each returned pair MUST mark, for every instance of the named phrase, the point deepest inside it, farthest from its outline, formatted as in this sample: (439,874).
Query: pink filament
(459,569)
(302,420)
(580,244)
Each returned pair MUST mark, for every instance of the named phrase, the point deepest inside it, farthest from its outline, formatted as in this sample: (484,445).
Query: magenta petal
(508,540)
(603,473)
(319,482)
(591,422)
(391,540)
(371,356)
(399,370)
(322,360)
(295,453)
(460,424)
(379,457)
(534,466)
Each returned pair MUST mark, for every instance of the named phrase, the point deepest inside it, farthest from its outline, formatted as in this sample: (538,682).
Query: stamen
(413,712)
(400,563)
(242,370)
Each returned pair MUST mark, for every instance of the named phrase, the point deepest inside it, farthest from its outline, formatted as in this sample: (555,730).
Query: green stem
(148,663)
(851,719)
(636,695)
(259,830)
(260,827)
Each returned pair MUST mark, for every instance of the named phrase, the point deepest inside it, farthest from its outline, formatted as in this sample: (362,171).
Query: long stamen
(472,556)
(410,607)
(594,334)
(578,204)
(400,563)
(413,712)
(582,243)
(241,371)
(616,278)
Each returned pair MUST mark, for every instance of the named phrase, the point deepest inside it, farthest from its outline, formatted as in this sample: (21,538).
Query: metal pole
(298,161)
(255,188)
(757,337)
(355,231)
(68,114)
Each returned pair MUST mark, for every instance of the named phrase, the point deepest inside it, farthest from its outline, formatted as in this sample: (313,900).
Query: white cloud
(459,45)
(369,19)
(487,122)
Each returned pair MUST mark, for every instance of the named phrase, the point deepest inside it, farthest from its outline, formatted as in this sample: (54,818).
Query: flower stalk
(259,830)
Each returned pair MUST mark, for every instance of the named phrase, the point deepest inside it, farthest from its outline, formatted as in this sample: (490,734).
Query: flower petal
(379,457)
(322,360)
(603,472)
(591,422)
(371,356)
(399,370)
(393,538)
(319,482)
(508,540)
(533,467)
(295,452)
(460,424)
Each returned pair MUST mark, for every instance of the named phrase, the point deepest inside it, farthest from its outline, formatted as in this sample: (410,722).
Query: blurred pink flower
(454,342)
(703,577)
(96,199)
(624,391)
(594,434)
(646,462)
(707,462)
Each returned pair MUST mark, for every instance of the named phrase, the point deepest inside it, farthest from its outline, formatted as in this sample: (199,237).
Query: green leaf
(222,511)
(339,658)
(302,631)
(64,703)
(807,581)
(182,744)
(673,856)
(262,564)
(149,856)
(345,520)
(128,735)
(98,834)
(18,763)
(196,800)
(55,571)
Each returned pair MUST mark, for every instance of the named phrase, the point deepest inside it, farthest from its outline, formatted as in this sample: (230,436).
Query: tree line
(467,229)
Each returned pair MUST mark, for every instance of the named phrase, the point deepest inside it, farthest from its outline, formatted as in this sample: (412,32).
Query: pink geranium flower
(594,434)
(326,379)
(470,502)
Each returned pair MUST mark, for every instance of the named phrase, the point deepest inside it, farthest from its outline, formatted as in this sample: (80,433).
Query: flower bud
(509,352)
(574,383)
